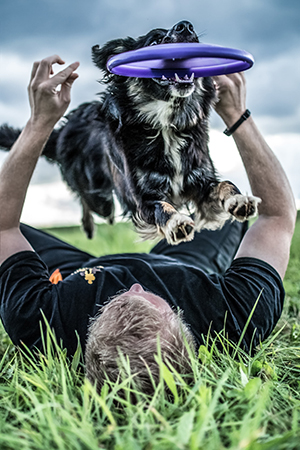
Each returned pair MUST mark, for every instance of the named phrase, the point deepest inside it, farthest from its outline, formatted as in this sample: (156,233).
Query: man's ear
(100,55)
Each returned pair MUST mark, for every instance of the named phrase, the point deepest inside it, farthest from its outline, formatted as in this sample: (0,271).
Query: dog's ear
(100,55)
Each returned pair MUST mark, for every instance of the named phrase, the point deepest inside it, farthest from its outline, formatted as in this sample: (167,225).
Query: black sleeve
(25,291)
(252,286)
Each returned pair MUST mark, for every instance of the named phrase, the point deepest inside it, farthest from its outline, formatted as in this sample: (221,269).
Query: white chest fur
(158,113)
(173,145)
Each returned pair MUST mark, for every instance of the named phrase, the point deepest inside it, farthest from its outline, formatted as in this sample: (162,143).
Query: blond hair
(130,326)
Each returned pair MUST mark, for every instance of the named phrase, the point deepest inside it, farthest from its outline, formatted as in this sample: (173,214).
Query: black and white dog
(147,141)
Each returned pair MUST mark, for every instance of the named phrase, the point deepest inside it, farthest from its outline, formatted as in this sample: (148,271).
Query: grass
(108,239)
(243,403)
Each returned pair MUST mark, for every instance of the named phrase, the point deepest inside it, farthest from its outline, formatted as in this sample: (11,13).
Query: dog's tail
(9,135)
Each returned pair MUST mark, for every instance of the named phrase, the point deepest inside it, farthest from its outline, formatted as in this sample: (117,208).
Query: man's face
(155,300)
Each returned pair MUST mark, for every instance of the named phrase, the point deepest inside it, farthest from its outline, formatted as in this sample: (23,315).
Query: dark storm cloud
(269,26)
(269,29)
(36,19)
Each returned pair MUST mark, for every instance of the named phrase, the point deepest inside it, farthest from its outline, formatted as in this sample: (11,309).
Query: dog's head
(160,88)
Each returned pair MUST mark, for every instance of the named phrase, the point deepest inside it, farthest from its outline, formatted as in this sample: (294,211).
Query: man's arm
(269,238)
(47,106)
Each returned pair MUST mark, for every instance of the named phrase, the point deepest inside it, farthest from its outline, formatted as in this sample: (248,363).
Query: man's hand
(231,90)
(48,104)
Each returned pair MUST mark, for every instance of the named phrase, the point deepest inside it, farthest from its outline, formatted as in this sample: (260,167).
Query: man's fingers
(217,78)
(66,86)
(43,92)
(44,68)
(62,76)
(234,78)
(34,69)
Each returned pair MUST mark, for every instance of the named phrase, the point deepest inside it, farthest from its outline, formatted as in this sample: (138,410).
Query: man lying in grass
(181,293)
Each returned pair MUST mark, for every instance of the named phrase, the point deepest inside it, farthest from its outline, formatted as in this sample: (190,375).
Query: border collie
(146,140)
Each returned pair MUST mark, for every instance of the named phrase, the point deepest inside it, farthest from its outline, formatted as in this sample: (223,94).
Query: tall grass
(234,403)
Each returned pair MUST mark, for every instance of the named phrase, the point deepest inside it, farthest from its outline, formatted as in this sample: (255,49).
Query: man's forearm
(266,175)
(17,171)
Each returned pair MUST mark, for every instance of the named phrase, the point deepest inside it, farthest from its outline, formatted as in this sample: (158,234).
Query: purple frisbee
(183,59)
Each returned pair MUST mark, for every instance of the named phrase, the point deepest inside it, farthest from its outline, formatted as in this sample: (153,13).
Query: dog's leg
(169,223)
(224,202)
(87,220)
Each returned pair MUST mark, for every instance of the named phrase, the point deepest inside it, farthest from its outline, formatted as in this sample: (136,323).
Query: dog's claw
(179,228)
(242,207)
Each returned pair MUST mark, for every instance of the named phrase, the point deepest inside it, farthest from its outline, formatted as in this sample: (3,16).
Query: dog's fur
(147,141)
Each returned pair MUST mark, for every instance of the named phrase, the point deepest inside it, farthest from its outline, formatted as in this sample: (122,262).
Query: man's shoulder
(20,259)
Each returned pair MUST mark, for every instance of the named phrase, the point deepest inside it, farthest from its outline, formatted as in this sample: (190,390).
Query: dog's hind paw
(179,228)
(89,227)
(87,221)
(242,207)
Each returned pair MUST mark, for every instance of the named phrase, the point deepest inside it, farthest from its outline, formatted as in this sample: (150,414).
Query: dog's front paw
(179,228)
(242,207)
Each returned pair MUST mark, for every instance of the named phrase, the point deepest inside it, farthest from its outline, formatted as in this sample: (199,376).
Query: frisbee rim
(127,63)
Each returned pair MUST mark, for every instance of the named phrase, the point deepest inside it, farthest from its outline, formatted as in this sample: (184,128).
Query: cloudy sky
(269,30)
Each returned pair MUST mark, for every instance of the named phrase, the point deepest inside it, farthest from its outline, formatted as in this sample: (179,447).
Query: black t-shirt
(208,301)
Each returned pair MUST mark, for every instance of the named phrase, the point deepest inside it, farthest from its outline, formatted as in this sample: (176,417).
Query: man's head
(130,325)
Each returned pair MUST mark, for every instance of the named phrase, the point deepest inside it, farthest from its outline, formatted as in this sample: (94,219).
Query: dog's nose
(184,28)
